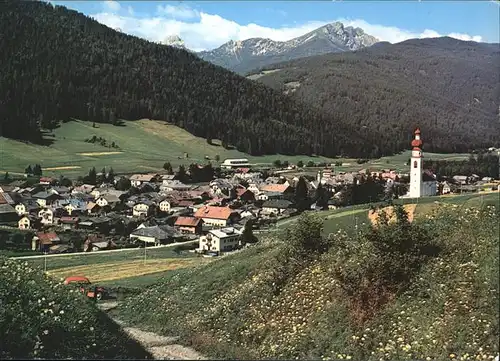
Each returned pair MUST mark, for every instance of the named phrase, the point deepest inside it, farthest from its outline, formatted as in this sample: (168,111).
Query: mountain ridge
(245,55)
(446,86)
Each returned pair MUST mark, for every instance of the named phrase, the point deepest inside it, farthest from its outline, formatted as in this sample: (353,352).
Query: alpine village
(334,196)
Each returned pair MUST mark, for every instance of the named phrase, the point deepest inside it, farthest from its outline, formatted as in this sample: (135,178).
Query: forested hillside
(58,63)
(450,88)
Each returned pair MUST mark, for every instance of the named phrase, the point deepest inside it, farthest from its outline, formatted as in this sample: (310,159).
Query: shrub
(41,318)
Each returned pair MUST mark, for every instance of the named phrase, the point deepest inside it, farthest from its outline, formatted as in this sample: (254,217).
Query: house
(84,188)
(46,180)
(254,188)
(108,199)
(332,204)
(59,190)
(167,177)
(137,179)
(69,222)
(282,189)
(277,206)
(93,208)
(221,186)
(460,179)
(264,196)
(245,195)
(26,206)
(189,225)
(59,248)
(216,216)
(93,244)
(165,206)
(142,208)
(46,216)
(42,241)
(445,188)
(147,187)
(174,185)
(45,199)
(155,235)
(220,240)
(75,206)
(27,222)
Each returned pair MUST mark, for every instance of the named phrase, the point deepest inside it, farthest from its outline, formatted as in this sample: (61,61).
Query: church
(422,183)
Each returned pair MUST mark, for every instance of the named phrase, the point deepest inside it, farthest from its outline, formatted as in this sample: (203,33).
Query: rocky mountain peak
(174,40)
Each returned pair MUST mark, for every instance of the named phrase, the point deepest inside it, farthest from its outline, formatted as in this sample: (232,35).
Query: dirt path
(161,347)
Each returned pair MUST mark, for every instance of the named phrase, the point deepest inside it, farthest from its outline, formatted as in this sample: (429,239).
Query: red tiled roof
(274,188)
(244,170)
(187,221)
(2,199)
(213,212)
(47,237)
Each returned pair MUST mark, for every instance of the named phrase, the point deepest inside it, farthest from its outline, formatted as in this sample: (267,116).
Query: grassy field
(145,145)
(119,268)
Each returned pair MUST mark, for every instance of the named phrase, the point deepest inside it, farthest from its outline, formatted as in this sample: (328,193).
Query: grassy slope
(146,145)
(40,318)
(229,298)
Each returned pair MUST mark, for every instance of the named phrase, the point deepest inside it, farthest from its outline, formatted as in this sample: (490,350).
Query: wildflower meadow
(401,290)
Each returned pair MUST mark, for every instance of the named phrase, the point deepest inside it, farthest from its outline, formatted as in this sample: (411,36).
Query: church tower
(416,167)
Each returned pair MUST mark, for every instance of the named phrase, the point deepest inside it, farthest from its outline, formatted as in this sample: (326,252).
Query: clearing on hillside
(374,215)
(95,154)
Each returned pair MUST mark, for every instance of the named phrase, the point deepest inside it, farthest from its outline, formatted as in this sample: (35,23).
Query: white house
(220,240)
(46,216)
(253,187)
(21,209)
(24,223)
(446,188)
(235,163)
(141,209)
(137,179)
(165,206)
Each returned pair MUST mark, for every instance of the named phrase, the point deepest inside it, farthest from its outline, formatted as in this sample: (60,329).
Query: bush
(41,318)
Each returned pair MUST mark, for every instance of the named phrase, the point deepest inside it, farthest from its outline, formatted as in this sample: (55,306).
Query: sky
(205,25)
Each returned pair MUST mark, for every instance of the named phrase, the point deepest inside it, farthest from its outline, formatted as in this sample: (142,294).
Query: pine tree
(301,197)
(92,176)
(247,236)
(168,167)
(181,173)
(111,175)
(28,170)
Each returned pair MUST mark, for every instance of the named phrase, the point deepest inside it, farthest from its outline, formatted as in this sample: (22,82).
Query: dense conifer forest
(450,88)
(59,64)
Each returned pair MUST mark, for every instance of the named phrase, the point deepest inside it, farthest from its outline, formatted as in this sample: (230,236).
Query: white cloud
(177,12)
(202,31)
(130,10)
(112,5)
